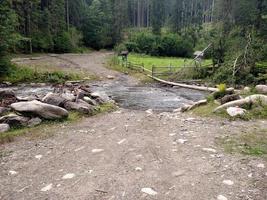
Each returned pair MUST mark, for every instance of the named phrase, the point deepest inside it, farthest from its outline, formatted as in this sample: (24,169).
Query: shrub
(63,43)
(4,66)
(166,45)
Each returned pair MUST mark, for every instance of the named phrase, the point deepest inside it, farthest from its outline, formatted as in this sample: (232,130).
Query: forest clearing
(133,99)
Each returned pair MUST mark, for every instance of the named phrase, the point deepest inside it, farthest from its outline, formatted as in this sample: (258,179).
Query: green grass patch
(149,61)
(250,143)
(114,64)
(47,127)
(29,75)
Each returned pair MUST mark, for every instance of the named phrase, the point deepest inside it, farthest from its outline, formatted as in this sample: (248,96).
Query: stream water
(153,96)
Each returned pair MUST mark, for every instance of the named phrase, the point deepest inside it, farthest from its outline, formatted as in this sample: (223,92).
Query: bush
(166,45)
(63,43)
(4,66)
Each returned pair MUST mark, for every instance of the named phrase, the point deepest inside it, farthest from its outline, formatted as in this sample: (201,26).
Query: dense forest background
(237,29)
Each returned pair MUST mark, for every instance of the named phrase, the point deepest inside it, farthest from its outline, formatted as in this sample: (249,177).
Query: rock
(68,176)
(80,106)
(34,122)
(5,93)
(90,101)
(54,99)
(40,109)
(14,120)
(262,89)
(100,97)
(7,97)
(236,111)
(209,150)
(221,197)
(149,191)
(47,188)
(97,150)
(228,182)
(185,108)
(3,110)
(228,98)
(4,128)
(247,89)
(110,77)
(68,96)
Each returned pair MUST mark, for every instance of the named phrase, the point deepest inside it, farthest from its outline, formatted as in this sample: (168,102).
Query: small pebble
(47,188)
(228,182)
(149,191)
(97,150)
(221,197)
(11,172)
(261,165)
(68,176)
(38,157)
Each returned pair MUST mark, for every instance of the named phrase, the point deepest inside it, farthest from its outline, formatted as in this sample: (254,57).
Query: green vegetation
(253,142)
(149,61)
(115,64)
(29,75)
(44,130)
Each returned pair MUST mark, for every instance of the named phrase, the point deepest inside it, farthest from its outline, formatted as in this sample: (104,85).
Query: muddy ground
(115,156)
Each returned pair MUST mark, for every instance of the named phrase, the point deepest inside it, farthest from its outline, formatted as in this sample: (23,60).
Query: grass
(114,64)
(149,61)
(250,143)
(45,129)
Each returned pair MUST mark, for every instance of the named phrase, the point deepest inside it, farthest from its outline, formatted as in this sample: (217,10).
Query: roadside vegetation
(252,142)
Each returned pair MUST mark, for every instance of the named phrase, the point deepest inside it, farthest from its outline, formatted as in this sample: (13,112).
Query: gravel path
(132,155)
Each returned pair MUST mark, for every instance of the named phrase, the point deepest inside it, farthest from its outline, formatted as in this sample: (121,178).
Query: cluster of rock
(29,112)
(232,101)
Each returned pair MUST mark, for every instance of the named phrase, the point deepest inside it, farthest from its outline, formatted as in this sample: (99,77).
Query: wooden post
(143,65)
(153,70)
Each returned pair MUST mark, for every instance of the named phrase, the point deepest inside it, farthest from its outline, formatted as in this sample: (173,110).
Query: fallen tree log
(253,99)
(194,87)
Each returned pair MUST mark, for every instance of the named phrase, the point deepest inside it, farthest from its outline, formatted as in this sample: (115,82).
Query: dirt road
(132,155)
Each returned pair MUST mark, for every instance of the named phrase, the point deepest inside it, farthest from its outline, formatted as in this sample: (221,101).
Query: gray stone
(34,122)
(90,101)
(54,99)
(236,111)
(80,106)
(14,120)
(68,96)
(228,98)
(40,109)
(3,110)
(262,89)
(4,128)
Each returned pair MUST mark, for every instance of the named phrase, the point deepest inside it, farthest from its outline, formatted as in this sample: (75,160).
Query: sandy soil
(117,155)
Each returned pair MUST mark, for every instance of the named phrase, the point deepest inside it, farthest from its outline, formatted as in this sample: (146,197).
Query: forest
(236,29)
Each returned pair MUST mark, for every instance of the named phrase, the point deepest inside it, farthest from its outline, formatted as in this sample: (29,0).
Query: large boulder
(80,106)
(54,99)
(261,89)
(14,120)
(40,109)
(4,128)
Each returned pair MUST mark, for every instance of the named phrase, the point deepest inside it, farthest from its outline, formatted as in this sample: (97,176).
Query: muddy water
(130,96)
